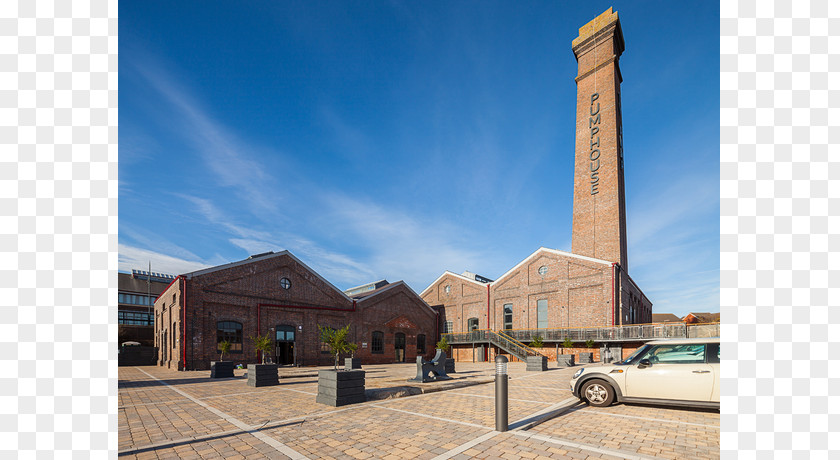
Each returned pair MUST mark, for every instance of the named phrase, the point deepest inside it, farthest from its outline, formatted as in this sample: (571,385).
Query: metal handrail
(512,345)
(610,333)
(528,350)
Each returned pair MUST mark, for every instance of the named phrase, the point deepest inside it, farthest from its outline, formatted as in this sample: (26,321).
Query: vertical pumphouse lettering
(594,142)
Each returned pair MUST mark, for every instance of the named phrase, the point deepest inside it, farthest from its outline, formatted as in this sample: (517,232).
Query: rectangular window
(508,316)
(421,344)
(542,314)
(135,299)
(232,332)
(447,327)
(134,318)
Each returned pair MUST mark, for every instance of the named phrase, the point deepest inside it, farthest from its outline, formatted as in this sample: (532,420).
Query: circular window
(447,289)
(285,283)
(543,270)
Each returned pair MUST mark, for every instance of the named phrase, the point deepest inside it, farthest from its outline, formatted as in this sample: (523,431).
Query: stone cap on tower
(598,28)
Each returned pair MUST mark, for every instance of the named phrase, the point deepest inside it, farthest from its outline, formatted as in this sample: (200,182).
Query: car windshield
(636,353)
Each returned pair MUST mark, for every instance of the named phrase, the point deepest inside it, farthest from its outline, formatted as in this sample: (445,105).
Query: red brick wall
(577,291)
(465,300)
(635,306)
(251,294)
(397,310)
(598,225)
(168,311)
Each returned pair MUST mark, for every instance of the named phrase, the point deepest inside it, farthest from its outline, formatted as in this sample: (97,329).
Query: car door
(677,371)
(713,358)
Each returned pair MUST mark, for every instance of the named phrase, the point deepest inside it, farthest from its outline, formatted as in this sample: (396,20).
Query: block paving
(167,414)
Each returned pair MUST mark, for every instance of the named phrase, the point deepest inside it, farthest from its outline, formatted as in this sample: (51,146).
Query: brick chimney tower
(598,224)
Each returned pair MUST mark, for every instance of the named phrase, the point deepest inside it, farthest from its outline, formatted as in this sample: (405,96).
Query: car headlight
(577,374)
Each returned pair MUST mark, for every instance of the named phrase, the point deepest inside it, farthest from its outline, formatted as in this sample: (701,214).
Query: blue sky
(397,140)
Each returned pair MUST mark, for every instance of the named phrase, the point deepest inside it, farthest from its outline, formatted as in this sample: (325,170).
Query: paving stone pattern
(168,414)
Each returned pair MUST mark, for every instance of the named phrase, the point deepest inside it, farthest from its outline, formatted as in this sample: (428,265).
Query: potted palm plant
(265,374)
(352,362)
(221,368)
(443,345)
(564,359)
(586,358)
(339,387)
(539,362)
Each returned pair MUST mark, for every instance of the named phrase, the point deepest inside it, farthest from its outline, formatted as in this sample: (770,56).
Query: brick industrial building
(589,286)
(276,293)
(136,293)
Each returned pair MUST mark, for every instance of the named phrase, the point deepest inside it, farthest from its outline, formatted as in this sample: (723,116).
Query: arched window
(230,331)
(377,342)
(421,344)
(472,324)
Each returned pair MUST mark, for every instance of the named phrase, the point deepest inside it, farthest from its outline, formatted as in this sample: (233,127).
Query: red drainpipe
(612,296)
(259,358)
(488,307)
(487,351)
(184,327)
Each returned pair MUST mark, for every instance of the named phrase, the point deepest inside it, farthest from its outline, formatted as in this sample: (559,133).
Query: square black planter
(339,388)
(566,360)
(449,366)
(585,358)
(352,363)
(221,369)
(262,375)
(536,363)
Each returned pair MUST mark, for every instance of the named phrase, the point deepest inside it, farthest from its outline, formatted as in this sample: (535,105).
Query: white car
(683,372)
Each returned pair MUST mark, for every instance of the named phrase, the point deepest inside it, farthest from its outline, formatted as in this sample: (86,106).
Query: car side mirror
(644,363)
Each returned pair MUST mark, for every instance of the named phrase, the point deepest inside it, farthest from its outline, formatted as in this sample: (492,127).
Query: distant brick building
(665,318)
(589,287)
(701,318)
(549,289)
(136,294)
(276,293)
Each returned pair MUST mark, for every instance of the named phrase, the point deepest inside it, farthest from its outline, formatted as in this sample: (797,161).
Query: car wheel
(598,393)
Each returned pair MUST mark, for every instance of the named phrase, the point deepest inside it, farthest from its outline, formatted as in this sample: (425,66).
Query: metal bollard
(501,394)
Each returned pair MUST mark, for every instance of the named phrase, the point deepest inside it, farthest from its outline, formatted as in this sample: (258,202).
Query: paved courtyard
(167,414)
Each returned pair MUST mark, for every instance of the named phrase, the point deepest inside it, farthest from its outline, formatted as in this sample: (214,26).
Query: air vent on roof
(261,255)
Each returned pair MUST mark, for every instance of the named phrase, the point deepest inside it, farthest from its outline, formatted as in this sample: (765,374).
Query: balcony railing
(500,339)
(598,334)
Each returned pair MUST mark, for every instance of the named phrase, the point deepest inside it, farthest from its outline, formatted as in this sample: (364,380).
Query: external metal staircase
(499,339)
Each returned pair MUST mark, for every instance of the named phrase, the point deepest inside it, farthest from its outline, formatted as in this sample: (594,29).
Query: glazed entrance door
(284,345)
(285,353)
(399,347)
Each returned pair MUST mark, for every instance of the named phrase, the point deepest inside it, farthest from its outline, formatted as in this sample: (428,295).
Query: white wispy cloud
(403,246)
(223,153)
(131,257)
(151,240)
(397,245)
